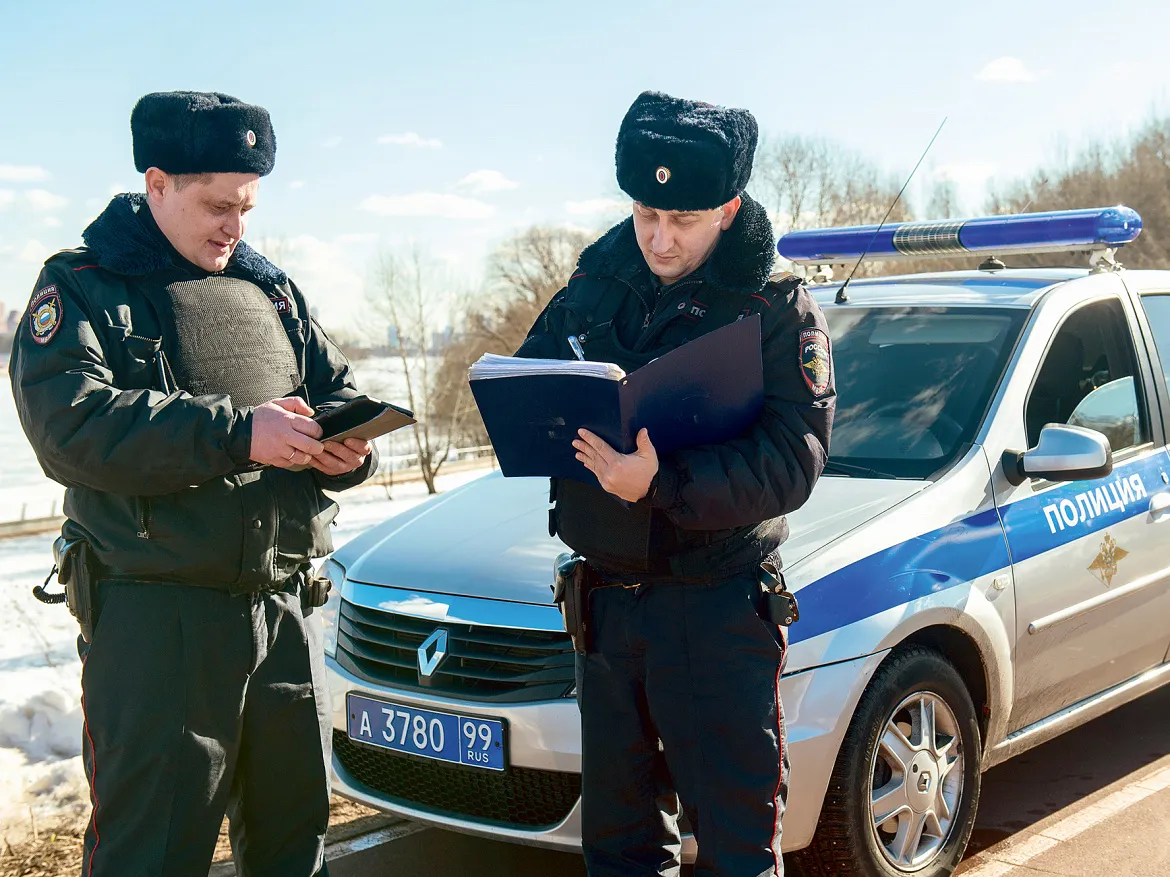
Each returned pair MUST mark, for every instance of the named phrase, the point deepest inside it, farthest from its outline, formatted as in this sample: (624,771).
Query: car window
(913,384)
(1087,379)
(1158,313)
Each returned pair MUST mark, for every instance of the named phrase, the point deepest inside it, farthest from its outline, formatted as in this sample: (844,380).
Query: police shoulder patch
(281,302)
(44,314)
(816,365)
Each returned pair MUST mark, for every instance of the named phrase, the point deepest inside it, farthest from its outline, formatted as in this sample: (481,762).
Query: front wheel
(904,790)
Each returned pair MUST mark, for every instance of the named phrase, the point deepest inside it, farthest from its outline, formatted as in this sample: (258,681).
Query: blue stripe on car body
(971,547)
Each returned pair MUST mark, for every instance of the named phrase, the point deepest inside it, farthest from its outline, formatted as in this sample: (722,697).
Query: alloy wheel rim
(916,781)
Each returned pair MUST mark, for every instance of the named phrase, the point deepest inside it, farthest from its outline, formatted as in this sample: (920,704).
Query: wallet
(362,418)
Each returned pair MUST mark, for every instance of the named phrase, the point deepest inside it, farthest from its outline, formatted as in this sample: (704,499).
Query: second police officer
(164,375)
(679,689)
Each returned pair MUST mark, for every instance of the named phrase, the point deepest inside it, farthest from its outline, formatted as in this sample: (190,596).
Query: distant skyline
(454,125)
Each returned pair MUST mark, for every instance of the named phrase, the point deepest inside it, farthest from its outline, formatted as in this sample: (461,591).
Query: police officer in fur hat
(165,373)
(679,687)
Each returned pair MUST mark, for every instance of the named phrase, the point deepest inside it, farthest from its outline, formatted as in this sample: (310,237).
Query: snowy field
(41,776)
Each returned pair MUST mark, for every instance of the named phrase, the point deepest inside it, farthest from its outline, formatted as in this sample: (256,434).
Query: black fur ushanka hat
(677,154)
(195,132)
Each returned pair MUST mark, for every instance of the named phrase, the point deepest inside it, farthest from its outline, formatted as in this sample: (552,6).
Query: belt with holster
(574,579)
(74,567)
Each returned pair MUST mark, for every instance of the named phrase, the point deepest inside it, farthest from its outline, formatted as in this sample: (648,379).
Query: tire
(912,683)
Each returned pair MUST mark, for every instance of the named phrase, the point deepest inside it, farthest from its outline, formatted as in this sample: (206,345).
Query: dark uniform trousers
(680,693)
(198,702)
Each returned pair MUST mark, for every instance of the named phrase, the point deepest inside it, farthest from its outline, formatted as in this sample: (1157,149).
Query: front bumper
(536,801)
(543,737)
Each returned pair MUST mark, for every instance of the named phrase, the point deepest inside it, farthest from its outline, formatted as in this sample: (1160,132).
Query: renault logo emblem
(431,653)
(924,781)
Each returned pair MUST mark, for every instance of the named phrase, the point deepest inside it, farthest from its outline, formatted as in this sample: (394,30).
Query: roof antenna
(841,296)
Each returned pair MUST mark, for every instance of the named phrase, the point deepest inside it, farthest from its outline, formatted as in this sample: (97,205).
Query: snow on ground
(41,775)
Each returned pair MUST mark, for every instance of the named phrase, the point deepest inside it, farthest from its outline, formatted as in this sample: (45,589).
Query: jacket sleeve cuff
(239,443)
(664,488)
(347,480)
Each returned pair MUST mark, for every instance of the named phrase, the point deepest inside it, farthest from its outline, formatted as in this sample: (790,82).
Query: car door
(1154,301)
(1089,561)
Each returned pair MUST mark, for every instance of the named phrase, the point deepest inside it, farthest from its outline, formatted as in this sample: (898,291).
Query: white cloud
(35,252)
(966,173)
(486,181)
(595,207)
(44,201)
(297,184)
(51,222)
(1006,69)
(331,142)
(7,196)
(23,173)
(356,237)
(410,138)
(435,204)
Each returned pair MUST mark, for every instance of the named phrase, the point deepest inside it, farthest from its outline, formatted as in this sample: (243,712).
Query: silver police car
(981,568)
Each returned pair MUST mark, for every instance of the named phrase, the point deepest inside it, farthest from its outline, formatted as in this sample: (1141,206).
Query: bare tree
(1134,171)
(524,273)
(405,293)
(814,183)
(943,201)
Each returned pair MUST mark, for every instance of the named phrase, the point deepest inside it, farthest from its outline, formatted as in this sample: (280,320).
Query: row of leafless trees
(804,183)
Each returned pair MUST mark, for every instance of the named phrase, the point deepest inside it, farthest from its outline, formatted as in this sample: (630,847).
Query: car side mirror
(1064,453)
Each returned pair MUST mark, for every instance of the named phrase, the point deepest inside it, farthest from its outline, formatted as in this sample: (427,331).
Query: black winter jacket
(716,509)
(161,484)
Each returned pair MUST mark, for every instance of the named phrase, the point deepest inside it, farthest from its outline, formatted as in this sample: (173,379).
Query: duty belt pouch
(780,606)
(75,573)
(314,589)
(570,593)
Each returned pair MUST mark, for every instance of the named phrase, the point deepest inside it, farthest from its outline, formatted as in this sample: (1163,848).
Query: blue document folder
(707,391)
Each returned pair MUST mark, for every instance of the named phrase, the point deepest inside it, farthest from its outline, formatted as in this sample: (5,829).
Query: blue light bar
(1057,231)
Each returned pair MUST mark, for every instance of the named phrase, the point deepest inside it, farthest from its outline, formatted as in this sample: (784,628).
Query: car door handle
(1160,507)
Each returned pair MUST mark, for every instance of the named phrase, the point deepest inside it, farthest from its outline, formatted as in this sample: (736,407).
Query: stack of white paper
(492,365)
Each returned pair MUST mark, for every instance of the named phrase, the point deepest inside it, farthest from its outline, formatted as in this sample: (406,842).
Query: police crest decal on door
(1104,566)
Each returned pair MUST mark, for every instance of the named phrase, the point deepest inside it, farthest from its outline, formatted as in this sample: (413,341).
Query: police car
(981,568)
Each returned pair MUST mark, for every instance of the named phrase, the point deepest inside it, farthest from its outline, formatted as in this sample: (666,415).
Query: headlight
(334,571)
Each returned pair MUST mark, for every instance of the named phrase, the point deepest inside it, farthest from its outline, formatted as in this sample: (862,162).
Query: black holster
(571,594)
(780,605)
(75,571)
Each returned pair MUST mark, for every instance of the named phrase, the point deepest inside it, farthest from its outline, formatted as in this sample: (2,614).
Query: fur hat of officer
(678,154)
(195,132)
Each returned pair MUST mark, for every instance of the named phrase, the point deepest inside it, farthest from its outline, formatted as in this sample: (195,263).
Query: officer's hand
(627,476)
(283,435)
(338,459)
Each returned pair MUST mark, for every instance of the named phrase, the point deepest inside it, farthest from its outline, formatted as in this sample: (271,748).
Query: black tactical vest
(226,338)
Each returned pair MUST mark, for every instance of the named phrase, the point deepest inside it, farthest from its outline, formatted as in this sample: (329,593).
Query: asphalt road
(1087,803)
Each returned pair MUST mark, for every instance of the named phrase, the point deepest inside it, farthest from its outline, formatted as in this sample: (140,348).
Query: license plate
(468,740)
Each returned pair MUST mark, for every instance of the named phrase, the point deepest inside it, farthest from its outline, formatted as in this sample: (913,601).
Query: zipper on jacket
(143,503)
(652,311)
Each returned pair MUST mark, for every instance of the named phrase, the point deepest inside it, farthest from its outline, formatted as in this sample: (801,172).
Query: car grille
(516,797)
(496,664)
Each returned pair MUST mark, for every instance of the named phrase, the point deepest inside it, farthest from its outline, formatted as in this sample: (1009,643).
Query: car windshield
(913,384)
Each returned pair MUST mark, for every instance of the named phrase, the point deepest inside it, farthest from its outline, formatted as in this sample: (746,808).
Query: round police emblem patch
(44,314)
(251,138)
(662,175)
(816,366)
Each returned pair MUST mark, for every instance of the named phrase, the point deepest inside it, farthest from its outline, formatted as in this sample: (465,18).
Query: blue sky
(452,125)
